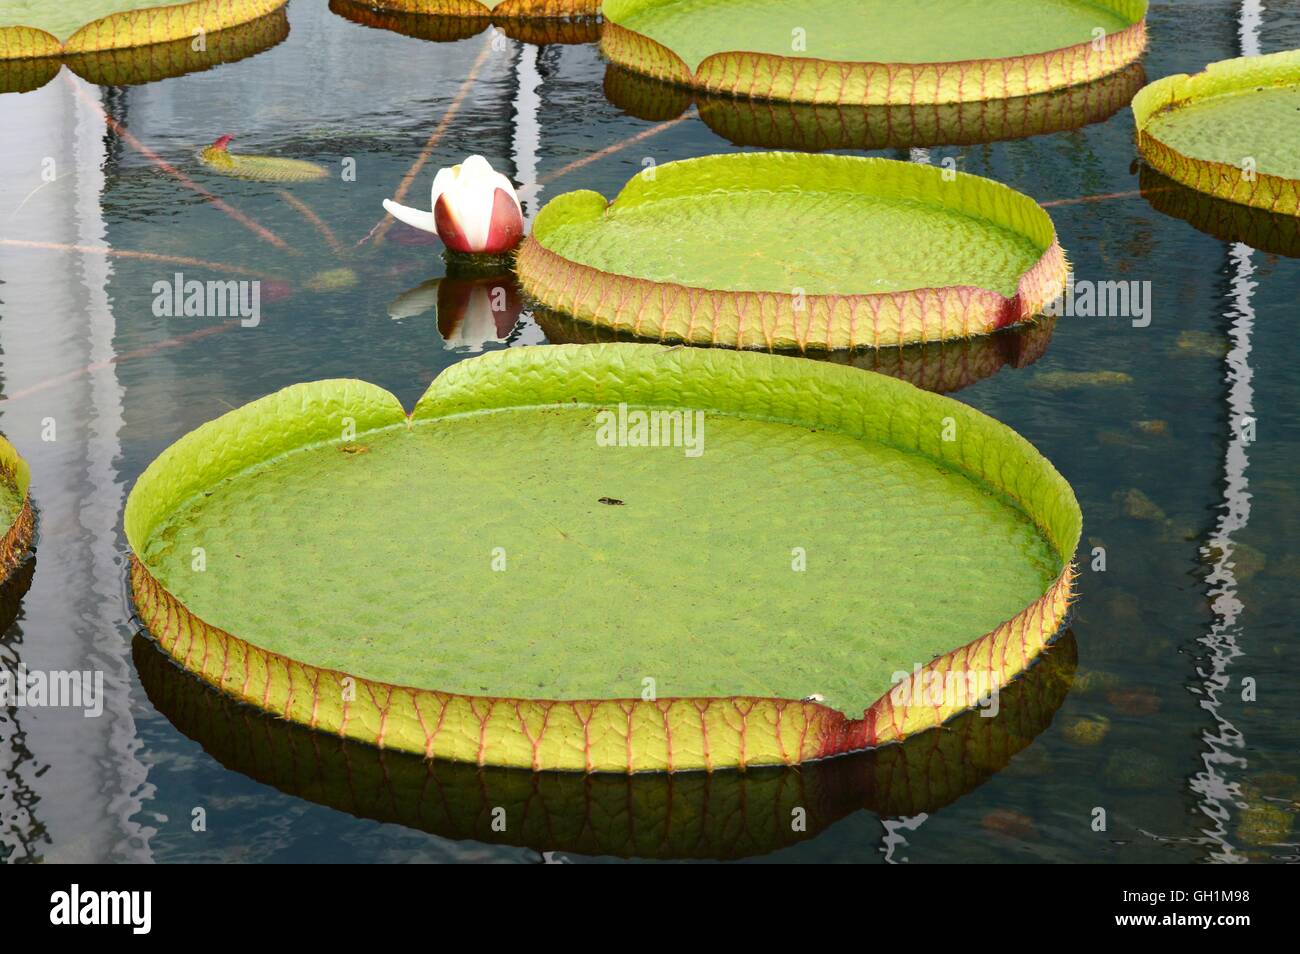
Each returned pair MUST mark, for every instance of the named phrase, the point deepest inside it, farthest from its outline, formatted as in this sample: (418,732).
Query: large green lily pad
(1230,131)
(875,51)
(820,536)
(786,250)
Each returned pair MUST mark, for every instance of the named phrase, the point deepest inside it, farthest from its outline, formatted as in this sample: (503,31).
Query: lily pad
(42,29)
(1232,130)
(16,519)
(875,51)
(720,815)
(323,556)
(790,251)
(220,159)
(812,127)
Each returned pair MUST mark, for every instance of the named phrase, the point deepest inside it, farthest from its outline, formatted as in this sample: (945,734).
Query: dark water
(1198,594)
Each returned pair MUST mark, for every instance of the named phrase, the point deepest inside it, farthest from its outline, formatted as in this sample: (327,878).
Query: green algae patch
(1231,131)
(874,52)
(531,571)
(719,815)
(16,519)
(36,30)
(790,251)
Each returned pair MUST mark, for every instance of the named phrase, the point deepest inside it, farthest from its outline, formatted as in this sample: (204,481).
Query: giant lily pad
(720,815)
(1230,131)
(488,580)
(813,127)
(875,51)
(782,250)
(15,511)
(36,30)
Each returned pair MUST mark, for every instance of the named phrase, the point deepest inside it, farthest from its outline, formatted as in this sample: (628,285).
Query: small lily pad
(1232,130)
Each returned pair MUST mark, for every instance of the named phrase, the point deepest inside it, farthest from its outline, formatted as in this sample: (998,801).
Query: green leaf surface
(1233,111)
(879,31)
(62,18)
(791,223)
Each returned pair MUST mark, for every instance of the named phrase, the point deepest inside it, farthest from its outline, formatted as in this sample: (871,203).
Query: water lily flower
(475,209)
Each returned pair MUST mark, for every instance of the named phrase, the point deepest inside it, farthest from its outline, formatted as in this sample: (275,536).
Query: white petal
(501,182)
(470,203)
(412,217)
(474,167)
(442,182)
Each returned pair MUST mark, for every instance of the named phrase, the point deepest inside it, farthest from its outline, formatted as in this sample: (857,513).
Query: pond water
(1173,431)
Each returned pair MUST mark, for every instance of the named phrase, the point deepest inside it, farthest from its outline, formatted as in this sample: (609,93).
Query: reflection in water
(441,28)
(54,324)
(1217,791)
(940,366)
(654,815)
(1228,221)
(157,61)
(21,833)
(473,311)
(1223,741)
(777,125)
